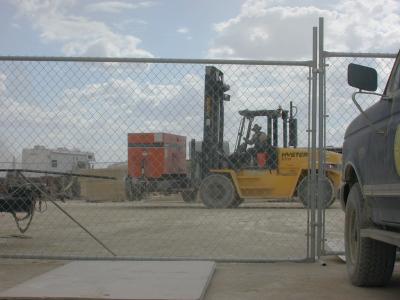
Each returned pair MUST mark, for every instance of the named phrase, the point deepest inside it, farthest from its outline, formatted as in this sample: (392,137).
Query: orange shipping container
(156,155)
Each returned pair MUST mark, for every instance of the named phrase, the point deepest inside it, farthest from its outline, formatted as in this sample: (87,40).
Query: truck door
(375,172)
(386,148)
(392,159)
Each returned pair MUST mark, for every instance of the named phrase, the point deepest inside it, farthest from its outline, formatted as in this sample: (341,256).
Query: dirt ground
(248,281)
(168,227)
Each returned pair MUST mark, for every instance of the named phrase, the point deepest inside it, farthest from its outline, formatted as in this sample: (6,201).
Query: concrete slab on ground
(118,280)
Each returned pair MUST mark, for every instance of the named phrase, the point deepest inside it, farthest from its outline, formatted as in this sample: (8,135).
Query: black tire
(217,191)
(134,191)
(189,196)
(369,262)
(237,202)
(328,197)
(128,188)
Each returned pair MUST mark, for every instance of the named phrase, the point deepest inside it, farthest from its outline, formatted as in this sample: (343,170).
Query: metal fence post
(313,197)
(309,160)
(321,150)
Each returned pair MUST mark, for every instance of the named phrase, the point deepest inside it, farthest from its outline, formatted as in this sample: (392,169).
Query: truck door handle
(379,131)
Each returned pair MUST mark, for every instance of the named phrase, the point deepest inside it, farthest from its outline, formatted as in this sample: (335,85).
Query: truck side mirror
(361,77)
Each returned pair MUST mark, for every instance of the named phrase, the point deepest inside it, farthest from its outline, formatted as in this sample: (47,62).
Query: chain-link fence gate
(105,157)
(336,111)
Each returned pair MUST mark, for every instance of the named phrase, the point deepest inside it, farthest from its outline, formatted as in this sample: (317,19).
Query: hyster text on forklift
(370,192)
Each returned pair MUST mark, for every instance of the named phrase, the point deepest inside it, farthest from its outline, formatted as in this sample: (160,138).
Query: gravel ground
(166,227)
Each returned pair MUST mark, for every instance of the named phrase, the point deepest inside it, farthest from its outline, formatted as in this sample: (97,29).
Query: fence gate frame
(322,133)
(311,81)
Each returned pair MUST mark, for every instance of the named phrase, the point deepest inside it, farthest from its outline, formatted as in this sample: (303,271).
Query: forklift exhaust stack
(292,127)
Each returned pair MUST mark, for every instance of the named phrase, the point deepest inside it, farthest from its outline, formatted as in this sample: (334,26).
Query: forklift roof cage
(288,118)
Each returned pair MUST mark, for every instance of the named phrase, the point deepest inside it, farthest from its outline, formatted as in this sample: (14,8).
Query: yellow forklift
(275,172)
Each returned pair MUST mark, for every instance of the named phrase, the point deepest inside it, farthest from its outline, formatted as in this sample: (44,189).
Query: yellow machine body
(293,165)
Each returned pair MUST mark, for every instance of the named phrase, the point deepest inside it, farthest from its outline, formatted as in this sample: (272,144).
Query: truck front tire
(369,262)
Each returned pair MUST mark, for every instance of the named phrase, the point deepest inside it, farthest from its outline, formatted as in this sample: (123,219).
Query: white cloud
(269,29)
(183,30)
(258,33)
(79,36)
(16,25)
(116,90)
(117,6)
(128,24)
(223,51)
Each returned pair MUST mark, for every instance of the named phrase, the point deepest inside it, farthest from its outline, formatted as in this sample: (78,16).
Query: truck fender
(349,177)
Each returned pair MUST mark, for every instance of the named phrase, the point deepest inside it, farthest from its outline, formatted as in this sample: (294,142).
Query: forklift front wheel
(217,191)
(327,189)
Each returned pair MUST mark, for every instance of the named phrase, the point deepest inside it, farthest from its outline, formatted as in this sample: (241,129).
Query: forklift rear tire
(369,262)
(217,191)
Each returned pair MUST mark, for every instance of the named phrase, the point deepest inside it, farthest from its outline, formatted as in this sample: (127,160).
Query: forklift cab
(266,156)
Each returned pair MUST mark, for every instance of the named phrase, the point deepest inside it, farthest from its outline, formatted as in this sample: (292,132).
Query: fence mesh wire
(341,111)
(75,117)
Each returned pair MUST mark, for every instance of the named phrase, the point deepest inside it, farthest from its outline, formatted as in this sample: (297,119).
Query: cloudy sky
(93,106)
(251,29)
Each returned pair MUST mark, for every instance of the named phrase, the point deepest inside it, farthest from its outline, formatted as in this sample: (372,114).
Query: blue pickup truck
(370,190)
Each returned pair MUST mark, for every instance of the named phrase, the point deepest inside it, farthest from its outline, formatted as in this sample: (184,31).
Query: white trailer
(59,160)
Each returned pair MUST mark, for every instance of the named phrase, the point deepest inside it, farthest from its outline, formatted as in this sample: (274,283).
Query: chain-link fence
(170,158)
(340,111)
(153,158)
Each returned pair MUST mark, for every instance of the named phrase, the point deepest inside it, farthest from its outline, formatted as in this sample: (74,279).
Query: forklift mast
(213,129)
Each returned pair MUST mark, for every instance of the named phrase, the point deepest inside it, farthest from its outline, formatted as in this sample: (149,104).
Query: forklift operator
(259,140)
